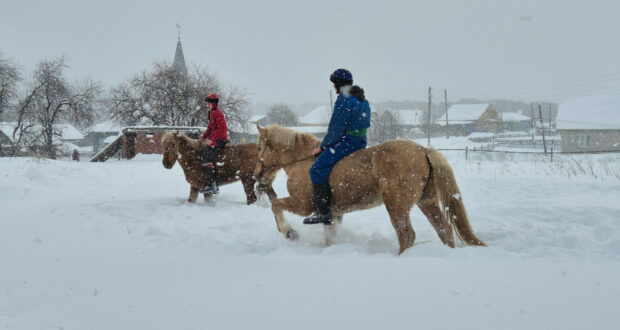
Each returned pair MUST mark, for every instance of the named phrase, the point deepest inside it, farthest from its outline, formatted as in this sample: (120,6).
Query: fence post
(552,153)
(466,153)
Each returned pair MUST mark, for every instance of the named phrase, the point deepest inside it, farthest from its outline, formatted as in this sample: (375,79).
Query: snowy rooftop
(110,139)
(590,112)
(250,128)
(255,118)
(318,116)
(68,131)
(513,116)
(463,113)
(408,116)
(106,127)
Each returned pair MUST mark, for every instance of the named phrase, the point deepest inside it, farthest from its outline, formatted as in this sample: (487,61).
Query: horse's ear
(260,129)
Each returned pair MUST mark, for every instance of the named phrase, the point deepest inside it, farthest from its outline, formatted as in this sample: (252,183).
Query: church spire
(179,60)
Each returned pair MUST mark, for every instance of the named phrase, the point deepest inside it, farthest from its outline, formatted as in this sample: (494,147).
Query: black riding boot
(322,200)
(210,186)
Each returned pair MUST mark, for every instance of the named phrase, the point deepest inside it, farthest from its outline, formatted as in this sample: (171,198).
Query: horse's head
(267,164)
(170,144)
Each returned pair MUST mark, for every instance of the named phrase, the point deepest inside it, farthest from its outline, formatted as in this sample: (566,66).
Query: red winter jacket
(217,129)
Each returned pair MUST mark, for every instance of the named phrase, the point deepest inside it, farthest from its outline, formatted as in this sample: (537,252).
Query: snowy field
(115,246)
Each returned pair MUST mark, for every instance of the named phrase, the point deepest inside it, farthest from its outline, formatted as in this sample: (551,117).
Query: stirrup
(325,219)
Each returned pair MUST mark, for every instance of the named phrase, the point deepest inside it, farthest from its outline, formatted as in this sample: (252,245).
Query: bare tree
(387,126)
(50,100)
(10,75)
(163,96)
(282,114)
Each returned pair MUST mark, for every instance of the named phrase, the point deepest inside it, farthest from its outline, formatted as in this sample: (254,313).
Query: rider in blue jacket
(346,133)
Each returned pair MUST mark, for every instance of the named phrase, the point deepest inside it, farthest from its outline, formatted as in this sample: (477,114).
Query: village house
(464,119)
(590,124)
(320,116)
(99,133)
(515,122)
(66,138)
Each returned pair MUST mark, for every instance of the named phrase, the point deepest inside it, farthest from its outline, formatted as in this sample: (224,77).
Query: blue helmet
(341,77)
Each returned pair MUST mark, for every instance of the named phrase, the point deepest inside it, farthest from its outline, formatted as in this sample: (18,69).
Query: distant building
(258,120)
(67,139)
(317,131)
(96,134)
(178,64)
(515,122)
(140,140)
(464,119)
(590,124)
(320,116)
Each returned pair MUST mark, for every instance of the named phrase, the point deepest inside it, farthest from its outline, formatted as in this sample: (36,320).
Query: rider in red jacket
(214,138)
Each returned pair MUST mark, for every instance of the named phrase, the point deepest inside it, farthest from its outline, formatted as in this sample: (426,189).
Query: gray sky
(285,50)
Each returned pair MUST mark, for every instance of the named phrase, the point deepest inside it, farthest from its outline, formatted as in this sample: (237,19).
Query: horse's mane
(192,143)
(286,137)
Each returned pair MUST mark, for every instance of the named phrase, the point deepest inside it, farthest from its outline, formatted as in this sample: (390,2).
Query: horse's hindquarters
(392,169)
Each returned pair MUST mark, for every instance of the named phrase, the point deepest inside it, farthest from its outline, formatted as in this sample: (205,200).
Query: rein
(268,145)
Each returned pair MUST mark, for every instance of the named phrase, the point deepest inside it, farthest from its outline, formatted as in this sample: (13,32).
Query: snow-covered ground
(115,246)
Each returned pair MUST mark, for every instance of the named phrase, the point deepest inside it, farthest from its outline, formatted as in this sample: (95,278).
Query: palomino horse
(233,163)
(398,174)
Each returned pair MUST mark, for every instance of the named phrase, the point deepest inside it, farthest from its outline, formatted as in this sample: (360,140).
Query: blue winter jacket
(349,114)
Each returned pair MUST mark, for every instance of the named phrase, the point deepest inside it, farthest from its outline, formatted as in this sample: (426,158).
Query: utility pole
(542,128)
(331,102)
(445,101)
(549,104)
(533,121)
(428,129)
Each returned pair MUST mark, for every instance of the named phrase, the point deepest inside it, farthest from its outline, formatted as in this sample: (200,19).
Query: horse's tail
(450,197)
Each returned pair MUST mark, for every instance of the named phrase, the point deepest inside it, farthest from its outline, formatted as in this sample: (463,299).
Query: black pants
(207,158)
(209,153)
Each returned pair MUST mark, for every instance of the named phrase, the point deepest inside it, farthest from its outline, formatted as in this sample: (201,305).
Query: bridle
(261,154)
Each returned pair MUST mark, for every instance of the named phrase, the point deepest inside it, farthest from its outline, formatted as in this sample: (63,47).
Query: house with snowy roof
(320,116)
(590,124)
(464,119)
(97,134)
(515,122)
(66,137)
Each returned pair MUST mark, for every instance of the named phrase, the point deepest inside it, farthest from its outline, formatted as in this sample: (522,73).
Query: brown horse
(232,164)
(398,174)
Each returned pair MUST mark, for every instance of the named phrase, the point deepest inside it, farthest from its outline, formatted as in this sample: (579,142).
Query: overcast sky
(285,50)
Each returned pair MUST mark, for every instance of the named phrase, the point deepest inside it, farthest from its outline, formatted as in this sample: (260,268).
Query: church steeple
(179,60)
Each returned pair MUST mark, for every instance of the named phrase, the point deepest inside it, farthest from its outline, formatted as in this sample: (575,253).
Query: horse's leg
(248,187)
(402,225)
(433,213)
(278,206)
(193,194)
(271,193)
(429,205)
(331,231)
(398,200)
(209,199)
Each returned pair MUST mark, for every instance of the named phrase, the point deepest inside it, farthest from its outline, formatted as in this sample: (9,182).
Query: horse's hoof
(292,234)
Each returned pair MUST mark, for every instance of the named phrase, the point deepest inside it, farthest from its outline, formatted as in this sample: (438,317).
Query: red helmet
(212,98)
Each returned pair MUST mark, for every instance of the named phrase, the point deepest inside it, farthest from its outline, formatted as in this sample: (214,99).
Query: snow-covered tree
(385,127)
(282,114)
(49,100)
(10,75)
(165,96)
